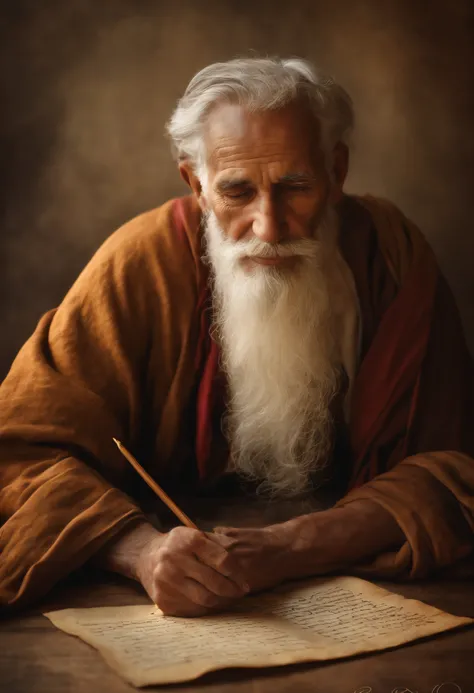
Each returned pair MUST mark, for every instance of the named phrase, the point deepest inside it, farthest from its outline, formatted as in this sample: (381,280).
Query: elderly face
(267,177)
(270,201)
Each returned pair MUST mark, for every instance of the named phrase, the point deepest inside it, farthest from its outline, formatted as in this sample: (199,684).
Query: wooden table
(37,658)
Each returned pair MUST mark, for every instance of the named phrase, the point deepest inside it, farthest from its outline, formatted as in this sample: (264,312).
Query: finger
(185,593)
(216,556)
(229,540)
(173,603)
(197,593)
(211,579)
(221,530)
(230,536)
(238,532)
(221,539)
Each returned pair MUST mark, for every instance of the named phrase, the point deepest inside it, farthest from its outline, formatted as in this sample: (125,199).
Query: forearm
(183,571)
(123,555)
(338,538)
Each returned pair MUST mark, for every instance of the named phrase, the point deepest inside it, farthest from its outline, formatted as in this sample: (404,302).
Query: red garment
(392,389)
(128,354)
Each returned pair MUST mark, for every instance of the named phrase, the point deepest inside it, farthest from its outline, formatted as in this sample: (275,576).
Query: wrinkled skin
(268,179)
(187,574)
(267,173)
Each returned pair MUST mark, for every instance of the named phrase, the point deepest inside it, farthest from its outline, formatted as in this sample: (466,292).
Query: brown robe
(128,354)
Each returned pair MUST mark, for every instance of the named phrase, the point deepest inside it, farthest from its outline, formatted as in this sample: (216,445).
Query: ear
(187,174)
(340,167)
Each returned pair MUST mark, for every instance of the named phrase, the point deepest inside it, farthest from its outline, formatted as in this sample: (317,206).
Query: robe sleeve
(430,493)
(78,382)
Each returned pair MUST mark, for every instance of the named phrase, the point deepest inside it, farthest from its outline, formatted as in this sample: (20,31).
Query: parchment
(321,619)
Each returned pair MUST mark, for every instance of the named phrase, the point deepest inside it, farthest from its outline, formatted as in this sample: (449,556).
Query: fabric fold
(128,354)
(437,525)
(109,362)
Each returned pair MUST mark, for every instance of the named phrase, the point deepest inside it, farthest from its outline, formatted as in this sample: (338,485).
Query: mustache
(254,247)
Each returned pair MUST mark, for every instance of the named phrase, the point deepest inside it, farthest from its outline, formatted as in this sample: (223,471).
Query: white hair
(259,84)
(279,353)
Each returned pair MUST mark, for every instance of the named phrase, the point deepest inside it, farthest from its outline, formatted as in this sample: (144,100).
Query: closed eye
(238,194)
(296,187)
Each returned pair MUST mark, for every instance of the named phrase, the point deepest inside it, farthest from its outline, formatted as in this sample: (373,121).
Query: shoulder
(160,246)
(168,232)
(400,241)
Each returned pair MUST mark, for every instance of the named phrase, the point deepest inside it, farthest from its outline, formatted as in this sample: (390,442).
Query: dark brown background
(88,86)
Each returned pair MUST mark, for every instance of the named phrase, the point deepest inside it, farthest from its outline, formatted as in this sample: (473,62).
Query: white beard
(278,349)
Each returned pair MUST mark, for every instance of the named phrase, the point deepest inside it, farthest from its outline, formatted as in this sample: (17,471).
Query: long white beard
(278,345)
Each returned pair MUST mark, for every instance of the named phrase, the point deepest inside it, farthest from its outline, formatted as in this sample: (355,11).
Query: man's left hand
(314,544)
(264,554)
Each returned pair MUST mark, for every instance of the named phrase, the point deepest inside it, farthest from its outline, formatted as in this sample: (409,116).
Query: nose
(267,225)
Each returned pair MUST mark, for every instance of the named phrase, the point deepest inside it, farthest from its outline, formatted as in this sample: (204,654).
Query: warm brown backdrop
(89,85)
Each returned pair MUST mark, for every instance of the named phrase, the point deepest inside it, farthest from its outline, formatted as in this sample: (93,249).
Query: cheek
(303,214)
(301,207)
(235,222)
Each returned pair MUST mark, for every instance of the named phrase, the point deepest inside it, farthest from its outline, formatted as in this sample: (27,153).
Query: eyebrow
(232,183)
(297,178)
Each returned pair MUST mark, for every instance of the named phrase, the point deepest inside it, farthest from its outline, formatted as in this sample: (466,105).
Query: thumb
(221,530)
(219,537)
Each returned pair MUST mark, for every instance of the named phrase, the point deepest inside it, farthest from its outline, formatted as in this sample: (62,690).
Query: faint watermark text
(446,687)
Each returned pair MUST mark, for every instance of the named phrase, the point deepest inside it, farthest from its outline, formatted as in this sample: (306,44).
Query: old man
(268,326)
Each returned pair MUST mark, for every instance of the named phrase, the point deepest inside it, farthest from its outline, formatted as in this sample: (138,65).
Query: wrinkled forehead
(235,137)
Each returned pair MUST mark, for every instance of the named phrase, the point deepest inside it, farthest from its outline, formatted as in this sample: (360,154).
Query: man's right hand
(184,572)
